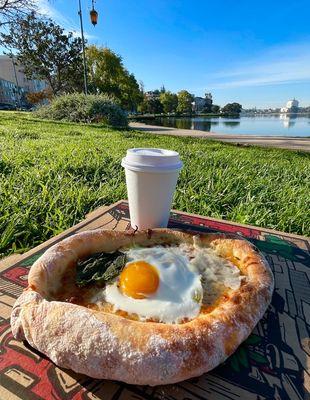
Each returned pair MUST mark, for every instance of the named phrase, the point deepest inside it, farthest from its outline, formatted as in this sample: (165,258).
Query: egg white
(179,293)
(189,276)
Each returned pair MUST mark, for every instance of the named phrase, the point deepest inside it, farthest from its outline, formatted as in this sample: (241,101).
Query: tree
(232,108)
(215,109)
(131,95)
(109,76)
(12,9)
(141,87)
(143,106)
(155,106)
(46,52)
(169,102)
(185,100)
(151,105)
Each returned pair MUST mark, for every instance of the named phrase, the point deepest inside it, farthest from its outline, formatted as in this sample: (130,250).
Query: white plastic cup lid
(152,160)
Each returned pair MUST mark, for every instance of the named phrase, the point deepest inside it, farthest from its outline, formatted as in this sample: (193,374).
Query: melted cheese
(217,274)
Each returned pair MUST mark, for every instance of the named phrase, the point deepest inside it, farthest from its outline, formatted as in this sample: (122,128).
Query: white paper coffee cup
(151,178)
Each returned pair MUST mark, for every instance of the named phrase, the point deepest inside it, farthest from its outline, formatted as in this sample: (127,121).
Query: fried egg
(157,283)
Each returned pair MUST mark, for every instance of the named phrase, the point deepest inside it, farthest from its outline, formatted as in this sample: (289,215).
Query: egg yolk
(139,279)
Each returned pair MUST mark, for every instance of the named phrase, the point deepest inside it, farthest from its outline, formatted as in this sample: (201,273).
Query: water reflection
(261,125)
(201,125)
(181,123)
(233,124)
(186,123)
(288,120)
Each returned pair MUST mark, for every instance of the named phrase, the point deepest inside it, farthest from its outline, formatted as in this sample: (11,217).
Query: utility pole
(83,49)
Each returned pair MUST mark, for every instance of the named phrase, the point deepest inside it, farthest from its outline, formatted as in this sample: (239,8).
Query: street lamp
(93,15)
(94,20)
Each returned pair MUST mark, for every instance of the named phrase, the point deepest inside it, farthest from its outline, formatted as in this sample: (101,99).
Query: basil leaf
(100,268)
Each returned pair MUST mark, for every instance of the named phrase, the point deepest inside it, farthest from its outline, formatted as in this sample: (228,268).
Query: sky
(255,53)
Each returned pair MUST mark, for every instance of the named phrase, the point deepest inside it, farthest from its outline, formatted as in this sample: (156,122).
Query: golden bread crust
(108,346)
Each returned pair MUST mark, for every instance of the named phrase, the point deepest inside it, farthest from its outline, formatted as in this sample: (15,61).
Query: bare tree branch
(10,9)
(11,5)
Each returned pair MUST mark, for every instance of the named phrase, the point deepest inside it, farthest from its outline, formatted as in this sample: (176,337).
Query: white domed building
(291,106)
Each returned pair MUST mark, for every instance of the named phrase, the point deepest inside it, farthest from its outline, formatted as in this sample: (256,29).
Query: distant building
(10,94)
(291,106)
(198,104)
(14,85)
(201,104)
(152,94)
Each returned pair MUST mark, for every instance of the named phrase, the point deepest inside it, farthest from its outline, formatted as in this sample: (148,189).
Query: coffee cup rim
(152,160)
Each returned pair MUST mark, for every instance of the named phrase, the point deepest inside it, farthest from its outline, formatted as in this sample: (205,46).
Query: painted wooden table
(270,364)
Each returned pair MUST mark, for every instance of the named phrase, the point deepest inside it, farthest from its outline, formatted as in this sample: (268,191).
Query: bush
(80,108)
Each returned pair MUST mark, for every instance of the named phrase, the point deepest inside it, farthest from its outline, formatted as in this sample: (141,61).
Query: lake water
(262,125)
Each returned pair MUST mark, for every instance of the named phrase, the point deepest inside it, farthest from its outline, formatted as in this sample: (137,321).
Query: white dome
(292,104)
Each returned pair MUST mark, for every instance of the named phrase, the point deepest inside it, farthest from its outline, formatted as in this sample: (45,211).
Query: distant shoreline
(210,115)
(283,142)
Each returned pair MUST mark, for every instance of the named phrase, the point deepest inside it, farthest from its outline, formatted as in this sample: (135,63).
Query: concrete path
(283,142)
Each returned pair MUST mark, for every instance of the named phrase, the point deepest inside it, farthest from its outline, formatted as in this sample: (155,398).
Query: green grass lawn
(52,174)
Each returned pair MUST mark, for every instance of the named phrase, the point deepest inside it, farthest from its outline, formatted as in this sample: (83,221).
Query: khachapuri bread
(147,307)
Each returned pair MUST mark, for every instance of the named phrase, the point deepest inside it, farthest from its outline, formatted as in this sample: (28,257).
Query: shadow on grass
(32,118)
(145,129)
(5,167)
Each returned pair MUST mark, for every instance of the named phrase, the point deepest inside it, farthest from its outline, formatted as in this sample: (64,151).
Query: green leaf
(100,268)
(260,359)
(243,357)
(253,339)
(234,363)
